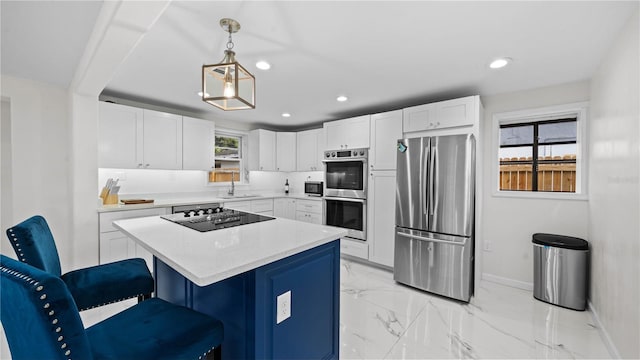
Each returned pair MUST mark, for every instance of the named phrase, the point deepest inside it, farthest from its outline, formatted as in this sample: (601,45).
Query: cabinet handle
(139,165)
(146,165)
(438,124)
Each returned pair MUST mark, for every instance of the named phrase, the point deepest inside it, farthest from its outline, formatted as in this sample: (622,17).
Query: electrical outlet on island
(283,307)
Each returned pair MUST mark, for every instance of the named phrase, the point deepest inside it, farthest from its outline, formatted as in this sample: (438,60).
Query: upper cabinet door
(262,150)
(441,115)
(162,140)
(350,133)
(120,130)
(386,129)
(310,145)
(198,145)
(286,151)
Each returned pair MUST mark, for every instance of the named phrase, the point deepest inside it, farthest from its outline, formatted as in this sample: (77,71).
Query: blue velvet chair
(90,287)
(41,321)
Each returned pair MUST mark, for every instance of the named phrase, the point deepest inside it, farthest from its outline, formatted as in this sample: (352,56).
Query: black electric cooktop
(221,219)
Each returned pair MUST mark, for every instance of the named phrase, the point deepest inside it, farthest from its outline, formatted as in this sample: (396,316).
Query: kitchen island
(239,275)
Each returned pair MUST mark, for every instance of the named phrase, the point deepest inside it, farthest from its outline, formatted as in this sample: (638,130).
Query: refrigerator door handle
(430,239)
(425,175)
(432,176)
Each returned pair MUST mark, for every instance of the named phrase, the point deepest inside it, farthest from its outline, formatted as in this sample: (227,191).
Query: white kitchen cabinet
(262,150)
(132,138)
(440,115)
(349,133)
(309,211)
(354,247)
(286,151)
(244,205)
(260,206)
(310,144)
(115,245)
(285,208)
(381,216)
(386,129)
(162,142)
(198,144)
(119,136)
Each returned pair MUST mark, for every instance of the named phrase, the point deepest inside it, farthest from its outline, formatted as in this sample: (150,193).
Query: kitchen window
(541,152)
(229,162)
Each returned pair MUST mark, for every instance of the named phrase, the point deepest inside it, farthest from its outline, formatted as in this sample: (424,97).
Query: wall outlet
(487,245)
(283,308)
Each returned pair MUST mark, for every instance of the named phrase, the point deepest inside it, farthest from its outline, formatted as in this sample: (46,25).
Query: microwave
(313,188)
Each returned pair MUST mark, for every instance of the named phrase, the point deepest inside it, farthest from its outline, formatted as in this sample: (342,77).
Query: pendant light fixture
(228,85)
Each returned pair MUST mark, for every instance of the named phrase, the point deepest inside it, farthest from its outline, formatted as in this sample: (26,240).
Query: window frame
(243,161)
(579,111)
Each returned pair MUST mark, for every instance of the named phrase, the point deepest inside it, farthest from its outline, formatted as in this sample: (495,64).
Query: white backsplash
(138,182)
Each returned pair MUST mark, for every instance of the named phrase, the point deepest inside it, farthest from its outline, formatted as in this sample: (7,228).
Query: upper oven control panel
(351,154)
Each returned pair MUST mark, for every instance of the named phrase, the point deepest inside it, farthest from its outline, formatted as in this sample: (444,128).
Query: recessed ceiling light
(263,65)
(342,98)
(500,63)
(286,115)
(205,94)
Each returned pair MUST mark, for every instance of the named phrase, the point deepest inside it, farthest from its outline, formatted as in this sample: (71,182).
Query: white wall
(510,222)
(39,159)
(614,204)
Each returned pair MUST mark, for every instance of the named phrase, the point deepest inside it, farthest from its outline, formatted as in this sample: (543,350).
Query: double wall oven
(345,190)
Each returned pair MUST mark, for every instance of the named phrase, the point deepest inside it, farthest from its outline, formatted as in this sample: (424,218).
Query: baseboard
(509,282)
(611,347)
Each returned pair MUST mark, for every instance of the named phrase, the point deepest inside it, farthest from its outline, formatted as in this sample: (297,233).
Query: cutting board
(137,201)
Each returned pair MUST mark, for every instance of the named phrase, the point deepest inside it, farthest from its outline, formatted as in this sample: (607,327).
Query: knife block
(111,199)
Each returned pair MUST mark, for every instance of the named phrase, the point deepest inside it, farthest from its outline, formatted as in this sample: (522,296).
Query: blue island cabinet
(247,305)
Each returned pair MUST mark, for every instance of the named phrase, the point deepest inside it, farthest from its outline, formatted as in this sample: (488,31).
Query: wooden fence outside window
(553,177)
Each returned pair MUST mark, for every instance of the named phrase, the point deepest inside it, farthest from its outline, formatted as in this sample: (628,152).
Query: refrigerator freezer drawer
(435,263)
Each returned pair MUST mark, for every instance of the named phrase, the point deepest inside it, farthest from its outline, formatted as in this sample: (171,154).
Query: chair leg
(216,354)
(144,297)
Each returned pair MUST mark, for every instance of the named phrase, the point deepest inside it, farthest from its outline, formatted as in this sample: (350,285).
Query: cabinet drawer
(354,248)
(239,205)
(309,206)
(107,218)
(262,205)
(311,218)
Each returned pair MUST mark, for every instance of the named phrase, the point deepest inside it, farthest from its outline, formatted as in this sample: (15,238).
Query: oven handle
(430,239)
(345,160)
(345,199)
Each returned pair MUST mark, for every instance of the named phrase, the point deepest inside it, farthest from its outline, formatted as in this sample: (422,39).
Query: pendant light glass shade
(228,85)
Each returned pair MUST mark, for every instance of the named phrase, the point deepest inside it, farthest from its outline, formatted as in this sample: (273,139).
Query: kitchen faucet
(232,191)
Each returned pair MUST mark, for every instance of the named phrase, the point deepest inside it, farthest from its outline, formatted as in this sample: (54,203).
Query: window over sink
(229,163)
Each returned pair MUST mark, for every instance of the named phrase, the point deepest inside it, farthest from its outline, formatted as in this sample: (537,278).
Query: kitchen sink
(239,196)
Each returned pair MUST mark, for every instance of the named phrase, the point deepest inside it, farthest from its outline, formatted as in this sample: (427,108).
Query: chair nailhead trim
(38,288)
(110,302)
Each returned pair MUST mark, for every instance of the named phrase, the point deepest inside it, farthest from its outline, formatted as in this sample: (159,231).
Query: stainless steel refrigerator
(434,238)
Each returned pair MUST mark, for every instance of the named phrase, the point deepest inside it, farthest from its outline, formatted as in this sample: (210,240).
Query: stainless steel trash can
(560,270)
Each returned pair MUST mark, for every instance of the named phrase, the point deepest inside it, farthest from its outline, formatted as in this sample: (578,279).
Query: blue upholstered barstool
(41,321)
(90,287)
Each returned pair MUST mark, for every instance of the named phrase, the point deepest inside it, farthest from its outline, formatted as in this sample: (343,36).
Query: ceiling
(383,55)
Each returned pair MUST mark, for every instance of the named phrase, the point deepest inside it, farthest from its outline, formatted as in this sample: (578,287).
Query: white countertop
(179,200)
(208,257)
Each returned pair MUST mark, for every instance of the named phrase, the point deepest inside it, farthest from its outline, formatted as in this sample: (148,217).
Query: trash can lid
(561,241)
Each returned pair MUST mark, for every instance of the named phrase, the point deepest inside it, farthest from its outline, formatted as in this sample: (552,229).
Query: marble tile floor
(381,319)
